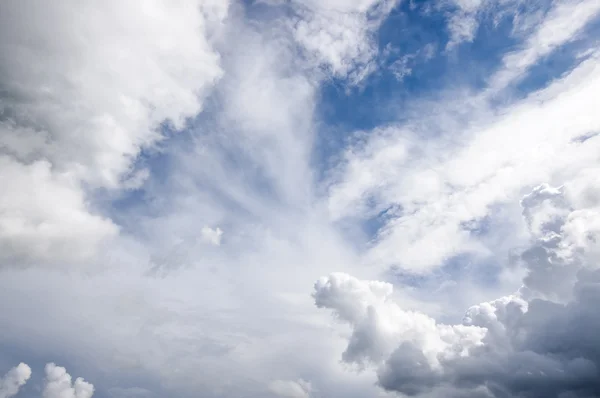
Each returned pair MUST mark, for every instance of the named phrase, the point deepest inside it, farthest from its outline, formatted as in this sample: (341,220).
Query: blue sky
(299,199)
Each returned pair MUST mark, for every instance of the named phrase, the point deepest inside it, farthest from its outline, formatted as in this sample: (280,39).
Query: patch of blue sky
(366,106)
(373,224)
(460,267)
(478,227)
(124,205)
(381,97)
(415,33)
(262,10)
(583,138)
(174,153)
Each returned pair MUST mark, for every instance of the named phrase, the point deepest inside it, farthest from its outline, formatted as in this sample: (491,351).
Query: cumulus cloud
(540,341)
(12,381)
(380,325)
(60,385)
(84,89)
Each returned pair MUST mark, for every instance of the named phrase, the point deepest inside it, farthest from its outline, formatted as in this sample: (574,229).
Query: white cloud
(60,385)
(380,325)
(290,388)
(540,341)
(463,22)
(83,91)
(339,35)
(12,381)
(212,236)
(45,217)
(401,68)
(561,25)
(431,186)
(216,322)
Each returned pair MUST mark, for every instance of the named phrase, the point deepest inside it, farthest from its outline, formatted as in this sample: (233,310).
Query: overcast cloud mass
(299,198)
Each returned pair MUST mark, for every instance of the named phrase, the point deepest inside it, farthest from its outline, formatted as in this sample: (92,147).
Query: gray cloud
(542,341)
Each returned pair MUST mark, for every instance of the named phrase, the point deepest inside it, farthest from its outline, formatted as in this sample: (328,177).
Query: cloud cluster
(540,341)
(84,89)
(57,384)
(12,381)
(60,385)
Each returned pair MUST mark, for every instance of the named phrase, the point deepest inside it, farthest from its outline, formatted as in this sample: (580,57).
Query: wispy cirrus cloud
(429,186)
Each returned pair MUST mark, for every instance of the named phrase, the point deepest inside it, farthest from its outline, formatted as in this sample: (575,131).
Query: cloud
(59,384)
(212,236)
(45,217)
(463,22)
(426,182)
(400,68)
(541,341)
(340,35)
(561,25)
(84,89)
(379,325)
(230,315)
(217,321)
(12,381)
(290,388)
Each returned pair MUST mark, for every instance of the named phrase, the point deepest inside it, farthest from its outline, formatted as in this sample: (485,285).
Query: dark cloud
(541,342)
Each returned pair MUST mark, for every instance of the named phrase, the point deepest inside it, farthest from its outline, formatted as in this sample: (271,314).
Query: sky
(299,198)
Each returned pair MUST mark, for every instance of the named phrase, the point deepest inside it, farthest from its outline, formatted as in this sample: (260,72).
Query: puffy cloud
(60,385)
(85,88)
(291,388)
(541,341)
(12,381)
(45,216)
(380,325)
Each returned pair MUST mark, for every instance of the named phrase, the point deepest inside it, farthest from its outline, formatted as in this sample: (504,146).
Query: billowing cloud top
(176,175)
